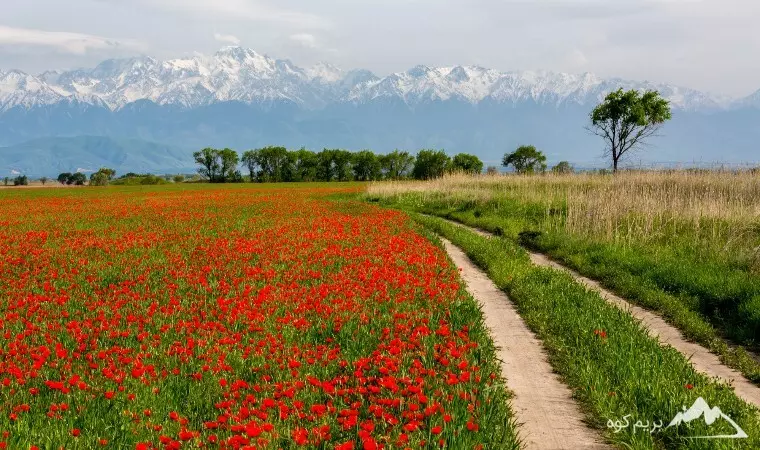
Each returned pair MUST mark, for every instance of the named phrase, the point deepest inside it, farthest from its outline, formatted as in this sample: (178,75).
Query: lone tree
(627,119)
(526,159)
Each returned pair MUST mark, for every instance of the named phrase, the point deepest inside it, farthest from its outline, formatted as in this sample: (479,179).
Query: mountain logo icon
(700,408)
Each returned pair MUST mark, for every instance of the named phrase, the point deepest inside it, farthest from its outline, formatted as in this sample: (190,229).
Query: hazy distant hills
(50,156)
(150,114)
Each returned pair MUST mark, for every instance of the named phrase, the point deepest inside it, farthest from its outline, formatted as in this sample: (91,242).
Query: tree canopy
(466,163)
(102,177)
(563,167)
(397,164)
(76,178)
(218,166)
(526,159)
(430,164)
(277,164)
(626,119)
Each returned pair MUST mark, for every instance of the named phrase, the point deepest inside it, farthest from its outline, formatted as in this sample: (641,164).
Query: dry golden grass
(715,208)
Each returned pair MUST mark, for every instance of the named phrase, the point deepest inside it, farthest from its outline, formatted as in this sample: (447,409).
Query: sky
(711,45)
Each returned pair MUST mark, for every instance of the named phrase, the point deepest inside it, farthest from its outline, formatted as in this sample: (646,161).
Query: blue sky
(704,44)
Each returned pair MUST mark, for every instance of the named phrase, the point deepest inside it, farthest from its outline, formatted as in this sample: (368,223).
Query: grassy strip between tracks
(637,278)
(617,372)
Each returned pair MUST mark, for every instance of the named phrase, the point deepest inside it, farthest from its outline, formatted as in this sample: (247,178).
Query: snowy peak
(752,101)
(325,72)
(235,60)
(18,89)
(241,74)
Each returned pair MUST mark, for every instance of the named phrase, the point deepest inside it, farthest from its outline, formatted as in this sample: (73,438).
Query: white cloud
(305,40)
(576,59)
(240,10)
(228,38)
(75,43)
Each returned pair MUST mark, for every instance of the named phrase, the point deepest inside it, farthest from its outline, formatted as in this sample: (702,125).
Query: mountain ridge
(236,73)
(241,99)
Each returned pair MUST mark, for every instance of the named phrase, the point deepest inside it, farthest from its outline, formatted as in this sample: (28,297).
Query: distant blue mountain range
(146,115)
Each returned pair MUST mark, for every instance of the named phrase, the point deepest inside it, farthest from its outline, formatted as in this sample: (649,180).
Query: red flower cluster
(229,317)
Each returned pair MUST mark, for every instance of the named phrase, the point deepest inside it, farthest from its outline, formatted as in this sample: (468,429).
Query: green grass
(626,373)
(712,301)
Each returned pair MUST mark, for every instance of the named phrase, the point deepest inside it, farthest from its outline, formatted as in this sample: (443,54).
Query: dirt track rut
(548,416)
(701,358)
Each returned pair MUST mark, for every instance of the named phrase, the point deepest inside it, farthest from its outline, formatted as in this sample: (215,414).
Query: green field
(684,244)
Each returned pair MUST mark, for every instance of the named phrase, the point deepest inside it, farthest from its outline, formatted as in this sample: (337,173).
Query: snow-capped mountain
(143,114)
(240,74)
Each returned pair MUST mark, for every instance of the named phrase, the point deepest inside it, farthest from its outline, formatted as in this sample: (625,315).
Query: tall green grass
(712,303)
(613,367)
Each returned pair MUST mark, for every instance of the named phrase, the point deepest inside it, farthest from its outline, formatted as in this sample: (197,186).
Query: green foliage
(69,178)
(526,159)
(269,164)
(366,166)
(209,162)
(277,164)
(151,179)
(396,165)
(304,163)
(98,179)
(626,119)
(492,170)
(78,179)
(218,166)
(6,180)
(178,178)
(21,180)
(430,164)
(102,177)
(563,167)
(228,166)
(466,163)
(43,180)
(250,160)
(334,165)
(140,180)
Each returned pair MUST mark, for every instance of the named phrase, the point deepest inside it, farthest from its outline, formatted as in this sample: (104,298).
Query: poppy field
(236,317)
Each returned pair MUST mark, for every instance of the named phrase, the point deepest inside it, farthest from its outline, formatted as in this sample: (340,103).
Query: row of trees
(105,176)
(278,164)
(625,120)
(76,178)
(20,180)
